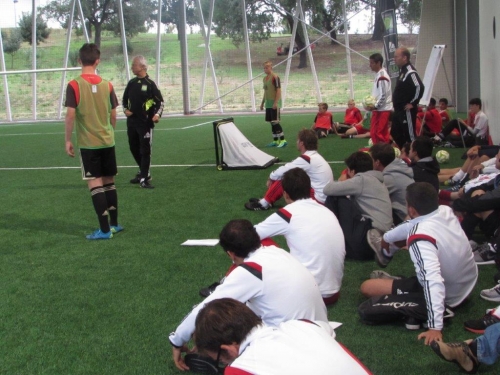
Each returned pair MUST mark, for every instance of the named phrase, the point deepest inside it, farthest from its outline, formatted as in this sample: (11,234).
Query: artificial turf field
(72,306)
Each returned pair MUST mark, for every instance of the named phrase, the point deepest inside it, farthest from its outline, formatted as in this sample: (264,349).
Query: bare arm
(112,118)
(69,122)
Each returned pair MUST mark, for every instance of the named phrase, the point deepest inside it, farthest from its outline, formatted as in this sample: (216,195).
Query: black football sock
(101,207)
(112,201)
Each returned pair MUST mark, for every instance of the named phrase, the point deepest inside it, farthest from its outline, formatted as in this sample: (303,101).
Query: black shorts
(272,115)
(407,285)
(100,162)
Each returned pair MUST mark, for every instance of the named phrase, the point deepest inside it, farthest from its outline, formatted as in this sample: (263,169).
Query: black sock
(101,207)
(112,201)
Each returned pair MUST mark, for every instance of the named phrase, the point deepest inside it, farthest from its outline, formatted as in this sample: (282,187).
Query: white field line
(132,166)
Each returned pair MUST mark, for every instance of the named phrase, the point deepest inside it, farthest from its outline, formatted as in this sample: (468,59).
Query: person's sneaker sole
(485,262)
(116,229)
(379,274)
(256,206)
(98,235)
(380,258)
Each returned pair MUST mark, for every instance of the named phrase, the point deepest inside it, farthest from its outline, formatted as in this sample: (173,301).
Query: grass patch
(229,63)
(70,306)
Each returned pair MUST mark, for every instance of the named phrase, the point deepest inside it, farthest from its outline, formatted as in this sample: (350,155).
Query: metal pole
(184,57)
(66,55)
(290,53)
(124,39)
(158,44)
(33,59)
(309,54)
(347,50)
(208,57)
(249,57)
(84,25)
(5,82)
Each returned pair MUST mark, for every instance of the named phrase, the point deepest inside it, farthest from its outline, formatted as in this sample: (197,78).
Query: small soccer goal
(234,151)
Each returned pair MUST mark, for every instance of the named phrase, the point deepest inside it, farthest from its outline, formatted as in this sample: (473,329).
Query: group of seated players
(268,314)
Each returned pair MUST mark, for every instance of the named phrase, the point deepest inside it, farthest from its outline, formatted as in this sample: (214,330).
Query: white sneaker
(492,294)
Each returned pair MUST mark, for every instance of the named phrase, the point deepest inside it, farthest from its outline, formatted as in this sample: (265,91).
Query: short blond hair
(268,62)
(351,101)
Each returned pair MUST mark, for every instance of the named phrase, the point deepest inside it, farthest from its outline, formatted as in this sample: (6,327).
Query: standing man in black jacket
(409,89)
(143,106)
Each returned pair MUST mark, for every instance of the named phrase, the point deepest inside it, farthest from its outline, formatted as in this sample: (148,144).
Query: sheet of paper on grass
(201,242)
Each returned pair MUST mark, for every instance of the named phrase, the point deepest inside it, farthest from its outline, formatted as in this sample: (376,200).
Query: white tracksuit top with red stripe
(316,167)
(294,348)
(442,257)
(275,285)
(314,236)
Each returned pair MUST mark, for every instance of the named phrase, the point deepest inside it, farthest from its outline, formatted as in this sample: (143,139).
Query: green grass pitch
(71,306)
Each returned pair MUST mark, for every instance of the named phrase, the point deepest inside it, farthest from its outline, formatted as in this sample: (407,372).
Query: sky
(10,12)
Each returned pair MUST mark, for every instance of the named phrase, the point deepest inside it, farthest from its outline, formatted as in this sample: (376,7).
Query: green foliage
(25,28)
(409,13)
(102,15)
(11,43)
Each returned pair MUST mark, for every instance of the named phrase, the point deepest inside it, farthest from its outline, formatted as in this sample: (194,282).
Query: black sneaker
(256,206)
(479,325)
(137,178)
(205,292)
(145,184)
(413,324)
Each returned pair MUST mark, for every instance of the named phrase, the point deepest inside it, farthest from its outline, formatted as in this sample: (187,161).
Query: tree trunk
(378,29)
(303,56)
(97,37)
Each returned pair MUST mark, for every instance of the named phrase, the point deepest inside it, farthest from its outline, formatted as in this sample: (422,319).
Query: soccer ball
(442,156)
(369,101)
(397,152)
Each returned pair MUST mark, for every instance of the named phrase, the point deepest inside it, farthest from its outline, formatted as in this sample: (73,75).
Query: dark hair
(422,146)
(297,184)
(443,100)
(240,237)
(476,101)
(432,101)
(89,54)
(309,138)
(359,162)
(423,197)
(406,148)
(223,321)
(377,57)
(383,152)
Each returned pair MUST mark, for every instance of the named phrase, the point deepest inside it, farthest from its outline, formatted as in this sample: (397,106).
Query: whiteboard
(431,72)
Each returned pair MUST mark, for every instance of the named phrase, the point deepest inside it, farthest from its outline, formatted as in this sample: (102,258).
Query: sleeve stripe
(306,158)
(254,268)
(284,214)
(421,237)
(235,371)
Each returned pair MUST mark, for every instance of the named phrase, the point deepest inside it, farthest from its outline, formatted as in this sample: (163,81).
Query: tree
(25,28)
(329,16)
(409,13)
(11,44)
(103,15)
(170,13)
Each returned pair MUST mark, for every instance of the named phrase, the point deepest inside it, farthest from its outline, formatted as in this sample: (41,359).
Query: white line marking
(133,166)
